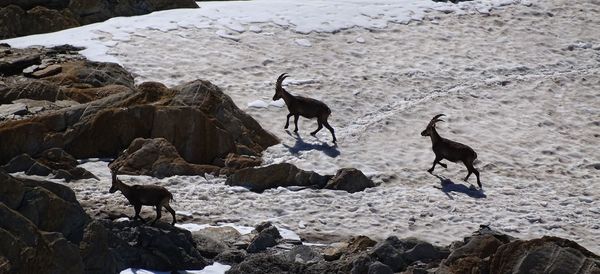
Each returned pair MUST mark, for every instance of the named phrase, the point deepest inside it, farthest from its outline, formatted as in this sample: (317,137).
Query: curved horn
(437,116)
(280,80)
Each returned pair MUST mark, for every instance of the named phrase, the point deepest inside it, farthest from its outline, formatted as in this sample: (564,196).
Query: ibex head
(115,181)
(431,126)
(278,89)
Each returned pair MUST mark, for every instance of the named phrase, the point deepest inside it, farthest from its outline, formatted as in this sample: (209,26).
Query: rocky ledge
(94,110)
(45,230)
(26,17)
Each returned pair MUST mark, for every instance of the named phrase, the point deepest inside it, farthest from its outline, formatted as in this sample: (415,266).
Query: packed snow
(518,81)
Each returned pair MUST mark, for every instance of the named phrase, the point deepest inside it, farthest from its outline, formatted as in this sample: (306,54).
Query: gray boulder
(349,179)
(277,175)
(268,236)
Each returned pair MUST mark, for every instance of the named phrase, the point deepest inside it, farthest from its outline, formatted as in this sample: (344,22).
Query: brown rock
(48,71)
(157,158)
(349,179)
(203,131)
(544,255)
(29,250)
(273,176)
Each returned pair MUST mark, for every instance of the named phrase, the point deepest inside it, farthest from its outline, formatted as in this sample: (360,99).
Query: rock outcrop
(159,247)
(349,179)
(286,175)
(157,158)
(41,225)
(197,118)
(273,176)
(51,161)
(43,229)
(20,18)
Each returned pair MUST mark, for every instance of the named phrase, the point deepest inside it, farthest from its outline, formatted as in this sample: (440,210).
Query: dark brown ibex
(302,106)
(450,150)
(139,195)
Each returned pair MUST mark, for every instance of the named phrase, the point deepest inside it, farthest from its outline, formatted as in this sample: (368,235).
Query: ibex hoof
(430,171)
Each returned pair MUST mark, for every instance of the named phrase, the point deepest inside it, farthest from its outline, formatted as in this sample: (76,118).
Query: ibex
(139,195)
(450,150)
(302,106)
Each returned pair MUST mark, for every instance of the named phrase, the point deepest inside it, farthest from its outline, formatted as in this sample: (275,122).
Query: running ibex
(450,150)
(139,195)
(302,106)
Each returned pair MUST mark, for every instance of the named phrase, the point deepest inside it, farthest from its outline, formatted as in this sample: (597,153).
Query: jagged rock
(248,135)
(209,247)
(231,256)
(16,21)
(26,249)
(19,18)
(264,263)
(28,165)
(425,252)
(349,179)
(388,254)
(159,247)
(54,211)
(11,190)
(544,255)
(379,268)
(354,245)
(106,126)
(234,161)
(31,215)
(158,158)
(13,109)
(14,63)
(48,71)
(51,161)
(267,236)
(95,252)
(471,256)
(273,176)
(95,11)
(304,254)
(361,264)
(31,89)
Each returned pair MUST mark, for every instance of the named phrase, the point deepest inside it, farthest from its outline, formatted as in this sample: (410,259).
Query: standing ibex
(302,106)
(450,150)
(139,195)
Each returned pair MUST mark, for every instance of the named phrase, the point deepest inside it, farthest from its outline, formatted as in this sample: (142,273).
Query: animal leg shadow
(300,145)
(448,186)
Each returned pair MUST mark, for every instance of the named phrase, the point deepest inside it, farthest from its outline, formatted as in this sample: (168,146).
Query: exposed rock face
(267,236)
(51,161)
(157,158)
(198,119)
(95,252)
(545,255)
(20,18)
(159,247)
(41,225)
(284,174)
(349,179)
(26,249)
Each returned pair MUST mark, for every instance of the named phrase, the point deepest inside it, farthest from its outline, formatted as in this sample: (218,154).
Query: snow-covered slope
(519,85)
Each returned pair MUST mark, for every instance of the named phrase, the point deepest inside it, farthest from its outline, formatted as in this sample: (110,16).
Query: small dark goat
(139,195)
(302,106)
(450,150)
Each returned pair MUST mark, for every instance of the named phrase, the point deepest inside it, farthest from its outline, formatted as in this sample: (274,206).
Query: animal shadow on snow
(300,145)
(448,186)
